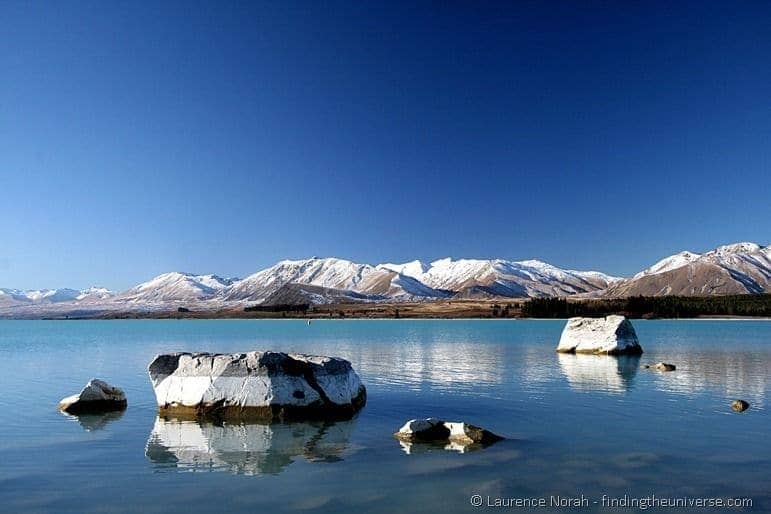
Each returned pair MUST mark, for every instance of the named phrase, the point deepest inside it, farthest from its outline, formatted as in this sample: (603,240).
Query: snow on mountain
(397,286)
(95,293)
(739,268)
(669,263)
(416,281)
(329,273)
(13,293)
(176,286)
(52,295)
(413,269)
(12,297)
(731,269)
(42,296)
(544,269)
(497,277)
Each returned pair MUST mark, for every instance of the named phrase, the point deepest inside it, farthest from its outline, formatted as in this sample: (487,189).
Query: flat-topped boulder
(457,435)
(96,397)
(612,335)
(259,385)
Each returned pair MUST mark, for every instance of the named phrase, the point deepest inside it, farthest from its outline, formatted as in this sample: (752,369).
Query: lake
(575,425)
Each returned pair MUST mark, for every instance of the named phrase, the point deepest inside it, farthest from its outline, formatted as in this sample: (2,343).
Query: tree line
(651,306)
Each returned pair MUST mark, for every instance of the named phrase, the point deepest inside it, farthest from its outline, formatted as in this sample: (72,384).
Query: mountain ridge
(739,268)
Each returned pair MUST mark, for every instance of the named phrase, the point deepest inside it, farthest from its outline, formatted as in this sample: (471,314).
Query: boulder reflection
(601,373)
(416,448)
(93,422)
(244,448)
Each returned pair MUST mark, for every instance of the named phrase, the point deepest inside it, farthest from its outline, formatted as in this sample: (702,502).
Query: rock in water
(664,366)
(97,396)
(437,430)
(612,335)
(740,405)
(259,385)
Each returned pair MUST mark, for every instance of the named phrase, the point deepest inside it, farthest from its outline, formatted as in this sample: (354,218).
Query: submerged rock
(612,335)
(259,385)
(740,405)
(664,366)
(97,396)
(456,435)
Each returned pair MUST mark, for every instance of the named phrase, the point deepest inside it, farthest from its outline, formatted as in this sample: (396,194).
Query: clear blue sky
(221,137)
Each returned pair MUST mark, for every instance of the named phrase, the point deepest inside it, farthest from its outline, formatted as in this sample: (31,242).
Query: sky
(221,137)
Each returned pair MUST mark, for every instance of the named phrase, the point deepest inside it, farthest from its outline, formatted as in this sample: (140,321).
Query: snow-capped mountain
(329,273)
(731,269)
(95,293)
(411,269)
(475,277)
(11,297)
(176,286)
(739,268)
(415,281)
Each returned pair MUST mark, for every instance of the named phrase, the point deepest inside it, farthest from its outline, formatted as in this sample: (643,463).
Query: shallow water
(574,424)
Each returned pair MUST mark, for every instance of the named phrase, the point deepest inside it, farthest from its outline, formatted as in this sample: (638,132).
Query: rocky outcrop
(664,366)
(258,385)
(455,435)
(612,335)
(97,396)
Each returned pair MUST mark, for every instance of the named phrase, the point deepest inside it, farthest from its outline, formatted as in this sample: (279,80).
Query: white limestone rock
(453,434)
(96,396)
(262,385)
(612,335)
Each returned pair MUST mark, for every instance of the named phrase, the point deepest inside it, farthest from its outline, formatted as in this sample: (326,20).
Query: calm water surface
(575,424)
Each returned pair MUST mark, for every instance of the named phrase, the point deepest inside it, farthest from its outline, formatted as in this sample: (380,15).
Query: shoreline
(747,308)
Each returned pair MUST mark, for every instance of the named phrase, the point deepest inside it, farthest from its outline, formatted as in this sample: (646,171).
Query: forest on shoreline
(651,307)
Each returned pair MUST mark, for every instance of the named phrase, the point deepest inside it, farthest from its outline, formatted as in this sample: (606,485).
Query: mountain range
(742,268)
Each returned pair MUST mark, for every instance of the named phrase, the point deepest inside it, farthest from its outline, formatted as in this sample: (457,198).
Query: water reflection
(733,374)
(412,448)
(93,422)
(457,366)
(244,448)
(613,375)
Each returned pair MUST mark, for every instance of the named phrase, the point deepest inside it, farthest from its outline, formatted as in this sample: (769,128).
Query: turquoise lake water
(574,425)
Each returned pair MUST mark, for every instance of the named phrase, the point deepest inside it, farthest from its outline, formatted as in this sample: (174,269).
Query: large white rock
(612,335)
(96,396)
(264,385)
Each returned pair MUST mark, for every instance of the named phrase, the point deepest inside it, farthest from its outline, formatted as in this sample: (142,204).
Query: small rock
(437,430)
(664,366)
(740,405)
(97,396)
